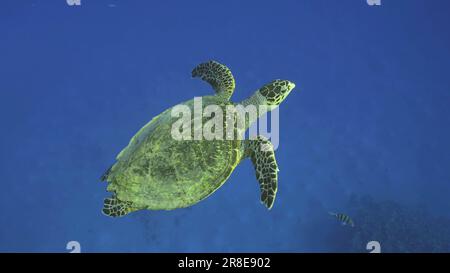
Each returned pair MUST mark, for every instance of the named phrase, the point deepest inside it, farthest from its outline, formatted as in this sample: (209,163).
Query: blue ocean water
(368,120)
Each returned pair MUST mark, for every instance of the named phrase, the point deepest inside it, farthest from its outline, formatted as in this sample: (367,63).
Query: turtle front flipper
(262,155)
(113,207)
(218,75)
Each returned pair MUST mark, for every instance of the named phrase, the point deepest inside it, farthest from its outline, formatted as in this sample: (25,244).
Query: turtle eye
(276,91)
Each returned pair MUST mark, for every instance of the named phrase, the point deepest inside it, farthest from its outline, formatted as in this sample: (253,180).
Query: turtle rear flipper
(113,207)
(218,75)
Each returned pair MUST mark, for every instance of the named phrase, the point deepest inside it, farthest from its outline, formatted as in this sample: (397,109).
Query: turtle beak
(291,86)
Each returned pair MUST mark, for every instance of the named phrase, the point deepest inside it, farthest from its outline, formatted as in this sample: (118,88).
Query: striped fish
(344,219)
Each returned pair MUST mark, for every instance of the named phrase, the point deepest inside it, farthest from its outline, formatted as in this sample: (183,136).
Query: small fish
(344,219)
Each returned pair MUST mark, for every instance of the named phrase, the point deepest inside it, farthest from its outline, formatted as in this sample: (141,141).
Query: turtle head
(276,91)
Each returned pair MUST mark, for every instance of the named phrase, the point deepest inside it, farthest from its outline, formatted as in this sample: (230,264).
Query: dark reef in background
(398,228)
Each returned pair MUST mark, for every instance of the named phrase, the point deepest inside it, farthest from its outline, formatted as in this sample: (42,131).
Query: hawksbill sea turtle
(157,172)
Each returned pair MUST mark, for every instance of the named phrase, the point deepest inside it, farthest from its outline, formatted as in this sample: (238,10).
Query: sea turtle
(158,172)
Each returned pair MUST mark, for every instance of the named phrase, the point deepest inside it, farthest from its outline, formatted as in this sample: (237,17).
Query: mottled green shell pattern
(156,171)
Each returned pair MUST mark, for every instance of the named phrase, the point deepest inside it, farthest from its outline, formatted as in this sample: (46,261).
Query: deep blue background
(370,115)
